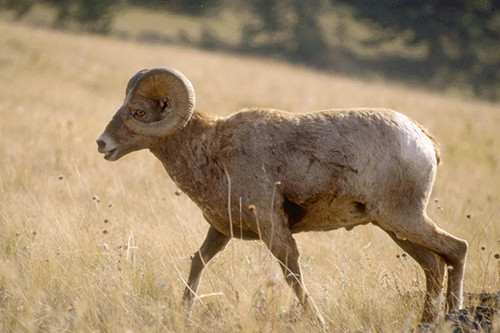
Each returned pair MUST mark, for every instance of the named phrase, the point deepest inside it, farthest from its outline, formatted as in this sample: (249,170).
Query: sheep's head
(158,102)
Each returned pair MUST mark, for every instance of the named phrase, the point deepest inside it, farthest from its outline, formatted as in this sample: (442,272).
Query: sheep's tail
(437,151)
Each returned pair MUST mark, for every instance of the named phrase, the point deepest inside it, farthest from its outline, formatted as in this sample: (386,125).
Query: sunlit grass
(88,245)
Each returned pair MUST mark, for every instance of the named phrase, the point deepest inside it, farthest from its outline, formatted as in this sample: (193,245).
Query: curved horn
(133,80)
(155,84)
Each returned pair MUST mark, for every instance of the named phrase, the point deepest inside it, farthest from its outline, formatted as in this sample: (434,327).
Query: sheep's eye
(139,113)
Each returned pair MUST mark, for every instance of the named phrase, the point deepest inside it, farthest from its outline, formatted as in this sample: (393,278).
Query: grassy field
(88,245)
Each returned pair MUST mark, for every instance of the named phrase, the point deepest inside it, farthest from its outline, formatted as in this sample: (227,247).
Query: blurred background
(449,45)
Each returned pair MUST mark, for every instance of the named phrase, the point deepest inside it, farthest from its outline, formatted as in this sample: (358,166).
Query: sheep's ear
(164,104)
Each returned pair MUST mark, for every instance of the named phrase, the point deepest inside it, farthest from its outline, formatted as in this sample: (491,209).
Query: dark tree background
(287,29)
(190,7)
(461,38)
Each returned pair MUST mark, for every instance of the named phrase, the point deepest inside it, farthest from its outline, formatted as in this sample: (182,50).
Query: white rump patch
(416,147)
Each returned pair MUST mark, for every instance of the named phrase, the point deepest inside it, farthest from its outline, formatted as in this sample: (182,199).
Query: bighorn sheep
(289,172)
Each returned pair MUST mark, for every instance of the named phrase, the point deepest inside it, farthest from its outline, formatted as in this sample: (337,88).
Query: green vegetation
(440,44)
(291,31)
(462,37)
(90,15)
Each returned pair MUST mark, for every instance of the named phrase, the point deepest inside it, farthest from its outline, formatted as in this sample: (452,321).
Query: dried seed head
(252,208)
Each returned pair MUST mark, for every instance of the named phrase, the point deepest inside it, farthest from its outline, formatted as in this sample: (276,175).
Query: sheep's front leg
(213,244)
(282,245)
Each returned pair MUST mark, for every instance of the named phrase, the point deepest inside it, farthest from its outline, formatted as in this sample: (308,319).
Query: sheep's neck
(186,155)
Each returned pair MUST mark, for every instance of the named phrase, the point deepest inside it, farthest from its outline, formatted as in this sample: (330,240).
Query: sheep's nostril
(100,144)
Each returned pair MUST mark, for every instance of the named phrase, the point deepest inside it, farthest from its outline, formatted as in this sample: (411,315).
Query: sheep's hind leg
(282,245)
(213,244)
(421,230)
(434,269)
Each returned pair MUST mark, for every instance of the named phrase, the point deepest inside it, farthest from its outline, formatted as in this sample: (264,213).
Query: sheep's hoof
(297,312)
(295,315)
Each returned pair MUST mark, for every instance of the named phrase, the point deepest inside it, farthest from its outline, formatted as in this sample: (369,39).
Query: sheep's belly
(332,213)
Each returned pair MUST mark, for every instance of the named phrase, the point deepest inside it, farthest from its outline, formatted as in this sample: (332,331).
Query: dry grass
(72,262)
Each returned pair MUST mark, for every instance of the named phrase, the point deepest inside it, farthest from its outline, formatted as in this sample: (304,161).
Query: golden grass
(88,245)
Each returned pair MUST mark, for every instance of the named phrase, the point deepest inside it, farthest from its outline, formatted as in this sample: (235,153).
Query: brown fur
(305,172)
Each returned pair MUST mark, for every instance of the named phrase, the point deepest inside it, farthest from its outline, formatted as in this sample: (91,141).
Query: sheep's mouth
(111,155)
